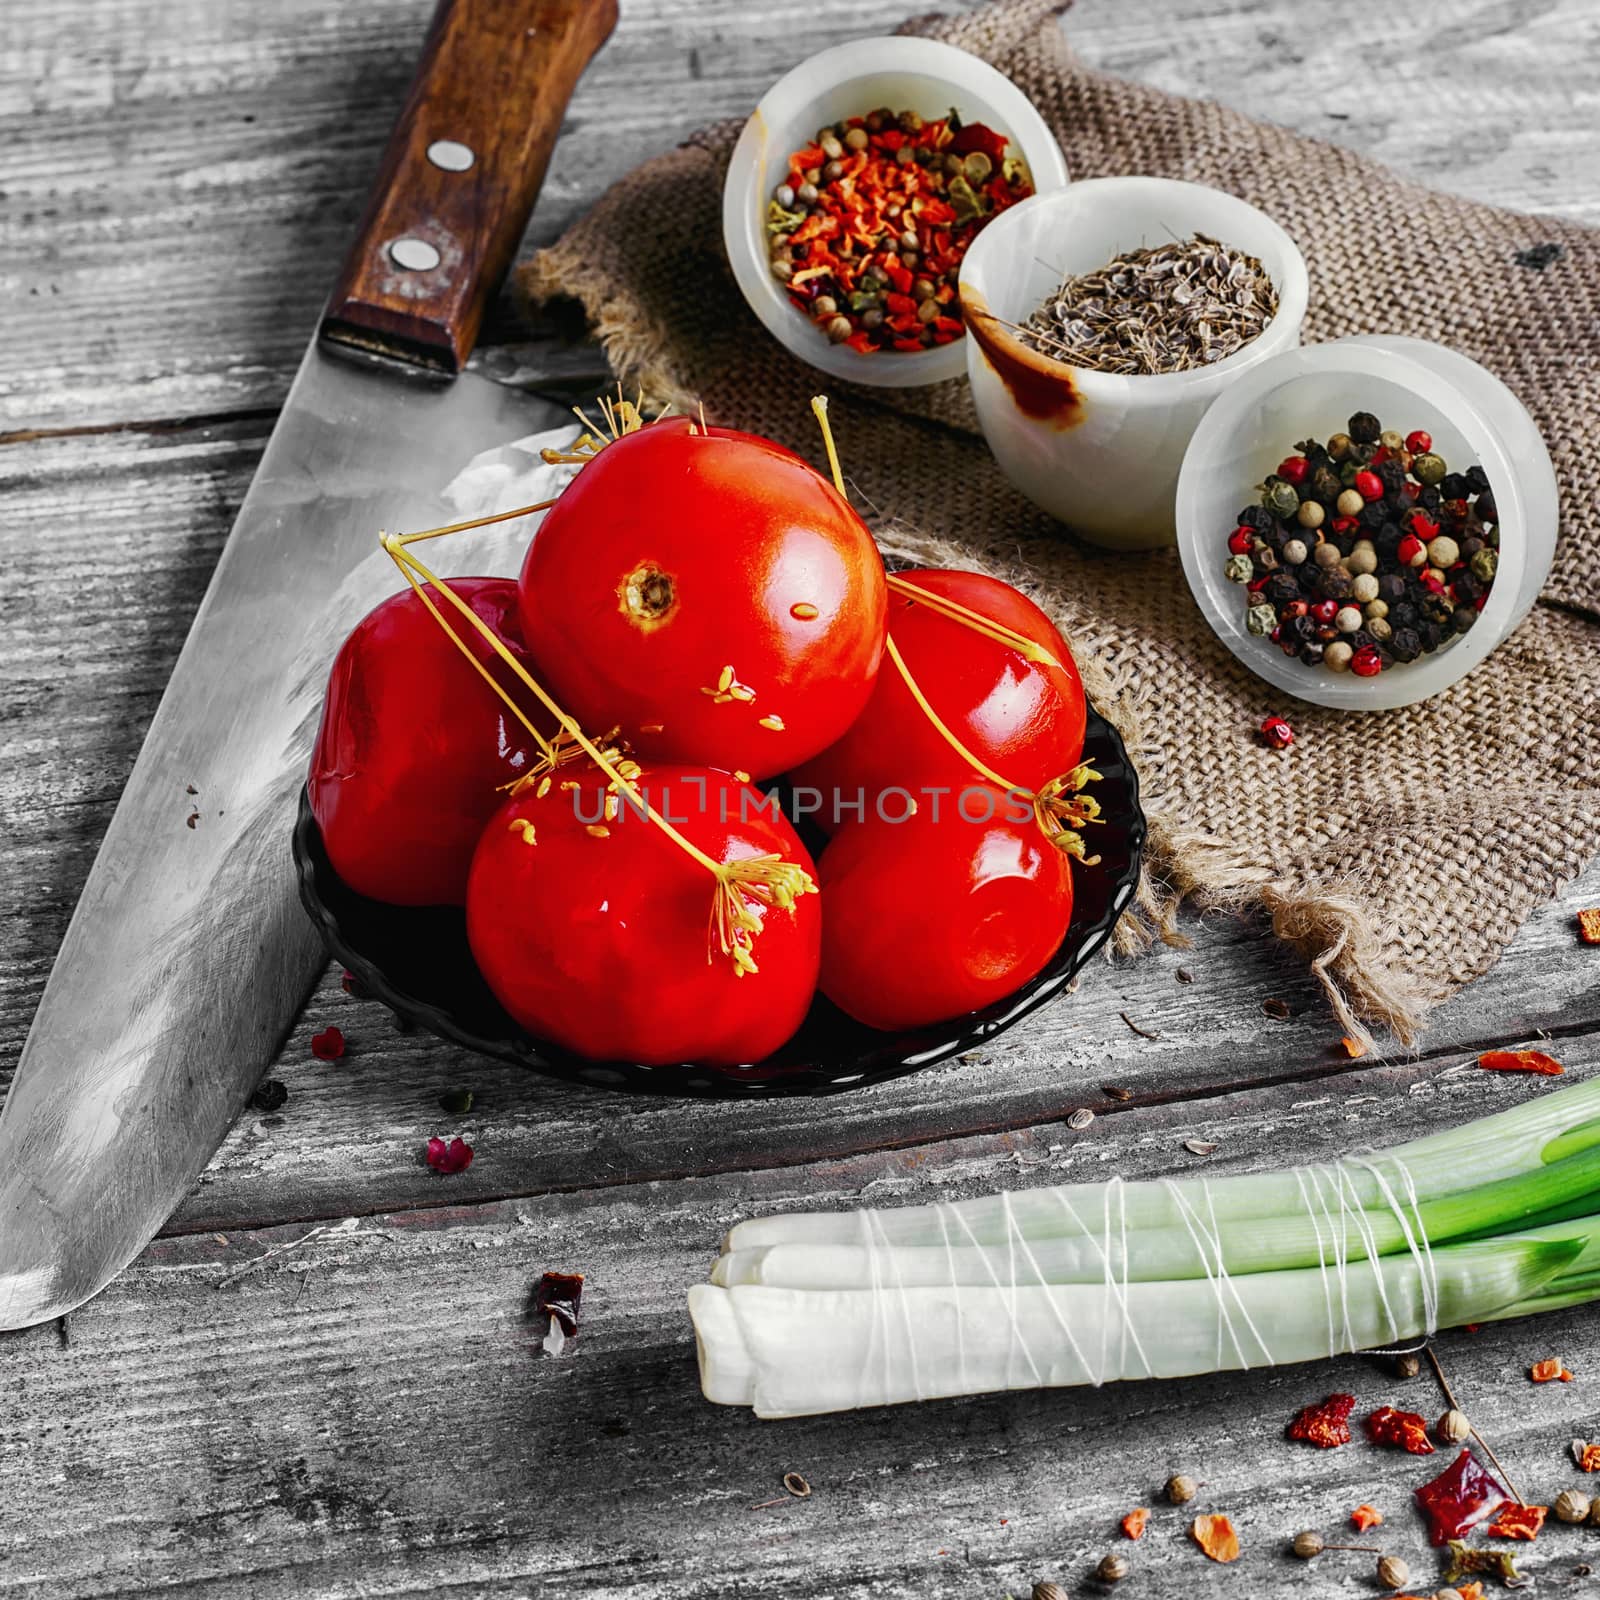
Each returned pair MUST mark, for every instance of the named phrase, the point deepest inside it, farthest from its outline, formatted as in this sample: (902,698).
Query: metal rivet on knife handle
(450,155)
(415,255)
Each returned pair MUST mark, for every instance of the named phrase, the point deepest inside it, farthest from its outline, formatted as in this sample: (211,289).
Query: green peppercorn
(1428,468)
(1325,483)
(1391,441)
(1364,428)
(1261,620)
(1240,569)
(1280,498)
(1485,562)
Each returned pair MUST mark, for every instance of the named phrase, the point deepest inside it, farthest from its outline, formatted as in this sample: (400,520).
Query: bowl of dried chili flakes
(856,296)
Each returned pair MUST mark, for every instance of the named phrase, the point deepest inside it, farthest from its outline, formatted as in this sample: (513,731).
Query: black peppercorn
(1257,517)
(1486,507)
(1404,644)
(1402,614)
(1470,546)
(1280,589)
(1392,476)
(1454,486)
(1299,629)
(1334,583)
(1429,633)
(1391,588)
(1364,428)
(1463,618)
(1478,478)
(1311,653)
(1373,515)
(1466,585)
(1324,485)
(1429,498)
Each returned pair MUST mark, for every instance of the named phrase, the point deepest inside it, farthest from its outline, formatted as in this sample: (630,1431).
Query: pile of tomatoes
(583,758)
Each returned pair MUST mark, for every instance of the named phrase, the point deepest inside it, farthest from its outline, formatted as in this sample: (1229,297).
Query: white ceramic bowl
(1098,451)
(1406,383)
(909,74)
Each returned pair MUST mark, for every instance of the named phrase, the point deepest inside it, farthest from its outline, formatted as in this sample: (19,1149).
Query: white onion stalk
(796,1352)
(1092,1283)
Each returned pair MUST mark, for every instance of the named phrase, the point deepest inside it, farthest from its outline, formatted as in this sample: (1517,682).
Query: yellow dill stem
(819,407)
(975,620)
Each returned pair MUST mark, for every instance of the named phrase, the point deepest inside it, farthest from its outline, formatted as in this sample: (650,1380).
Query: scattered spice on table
(1113,1568)
(1548,1371)
(1586,1455)
(1572,1505)
(270,1095)
(1277,1009)
(1134,1524)
(1453,1427)
(1393,1571)
(1521,1061)
(1406,1429)
(1080,1119)
(1465,1561)
(868,228)
(1180,1489)
(1200,1147)
(328,1045)
(1170,307)
(558,1295)
(1364,1517)
(1326,1424)
(1461,1497)
(1589,925)
(456,1102)
(354,987)
(452,1157)
(1354,1048)
(1365,552)
(1215,1535)
(796,1485)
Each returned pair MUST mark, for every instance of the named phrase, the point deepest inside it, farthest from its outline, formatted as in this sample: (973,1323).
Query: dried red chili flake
(557,1296)
(456,1156)
(869,225)
(1364,1517)
(327,1045)
(1519,1522)
(1327,1425)
(1404,1428)
(1589,925)
(1589,1458)
(1215,1535)
(1548,1370)
(1133,1525)
(1460,1498)
(1353,1047)
(1520,1061)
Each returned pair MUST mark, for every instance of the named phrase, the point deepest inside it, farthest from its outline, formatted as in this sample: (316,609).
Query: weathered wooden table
(323,1378)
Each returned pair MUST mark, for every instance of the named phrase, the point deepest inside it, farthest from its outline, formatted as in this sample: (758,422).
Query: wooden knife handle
(460,175)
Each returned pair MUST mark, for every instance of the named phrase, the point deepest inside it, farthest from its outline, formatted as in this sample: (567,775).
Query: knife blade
(188,956)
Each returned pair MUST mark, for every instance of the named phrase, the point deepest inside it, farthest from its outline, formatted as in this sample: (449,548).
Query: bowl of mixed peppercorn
(854,191)
(1404,526)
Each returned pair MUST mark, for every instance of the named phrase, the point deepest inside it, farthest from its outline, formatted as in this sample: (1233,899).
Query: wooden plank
(180,185)
(368,1412)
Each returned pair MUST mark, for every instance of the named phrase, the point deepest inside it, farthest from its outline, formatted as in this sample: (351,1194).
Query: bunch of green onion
(1091,1283)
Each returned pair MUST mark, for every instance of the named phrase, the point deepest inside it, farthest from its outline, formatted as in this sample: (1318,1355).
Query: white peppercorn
(1349,503)
(1363,557)
(1373,610)
(1326,555)
(1294,552)
(1310,514)
(1336,658)
(1443,551)
(1364,588)
(1348,619)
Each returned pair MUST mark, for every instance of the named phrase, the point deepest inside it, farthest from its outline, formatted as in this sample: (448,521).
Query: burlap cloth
(1399,850)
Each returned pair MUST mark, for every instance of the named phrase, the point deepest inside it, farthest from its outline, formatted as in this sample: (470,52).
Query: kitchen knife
(188,956)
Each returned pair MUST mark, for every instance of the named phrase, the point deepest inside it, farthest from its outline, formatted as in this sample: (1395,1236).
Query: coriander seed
(1113,1568)
(1308,1544)
(1049,1591)
(1453,1427)
(1572,1505)
(1406,1365)
(1181,1489)
(1393,1572)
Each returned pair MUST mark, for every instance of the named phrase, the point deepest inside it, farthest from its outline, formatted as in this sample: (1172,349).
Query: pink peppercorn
(1418,442)
(1325,610)
(1366,663)
(1241,541)
(1412,551)
(1277,733)
(1293,469)
(1369,486)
